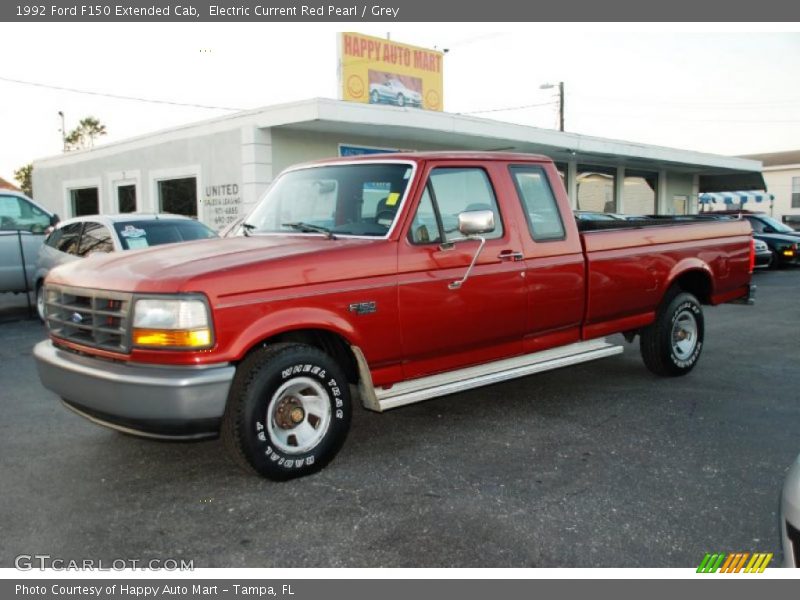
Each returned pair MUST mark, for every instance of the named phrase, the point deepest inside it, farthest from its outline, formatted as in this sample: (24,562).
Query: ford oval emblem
(76,317)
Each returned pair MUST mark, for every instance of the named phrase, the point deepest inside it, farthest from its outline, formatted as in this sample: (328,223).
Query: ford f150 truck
(386,279)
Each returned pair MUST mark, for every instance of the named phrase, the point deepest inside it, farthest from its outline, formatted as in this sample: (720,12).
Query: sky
(713,88)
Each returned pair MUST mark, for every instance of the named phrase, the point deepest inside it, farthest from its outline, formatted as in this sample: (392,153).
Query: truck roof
(440,155)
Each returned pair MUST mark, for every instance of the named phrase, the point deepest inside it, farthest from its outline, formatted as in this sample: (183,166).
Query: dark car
(782,240)
(764,256)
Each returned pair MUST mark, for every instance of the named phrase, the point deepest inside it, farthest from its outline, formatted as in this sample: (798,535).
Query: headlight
(171,323)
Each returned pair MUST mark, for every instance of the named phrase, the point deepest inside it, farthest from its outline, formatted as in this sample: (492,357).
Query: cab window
(19,214)
(449,192)
(541,209)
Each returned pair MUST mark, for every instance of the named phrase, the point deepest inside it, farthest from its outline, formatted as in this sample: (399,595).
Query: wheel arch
(696,278)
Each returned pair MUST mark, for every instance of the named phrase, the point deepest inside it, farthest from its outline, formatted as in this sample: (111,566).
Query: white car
(393,91)
(83,236)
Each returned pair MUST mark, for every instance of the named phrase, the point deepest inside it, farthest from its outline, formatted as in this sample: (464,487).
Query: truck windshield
(360,199)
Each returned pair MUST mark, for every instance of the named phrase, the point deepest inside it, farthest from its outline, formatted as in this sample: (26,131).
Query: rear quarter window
(539,203)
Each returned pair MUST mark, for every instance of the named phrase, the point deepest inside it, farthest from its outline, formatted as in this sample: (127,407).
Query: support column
(619,190)
(662,207)
(256,165)
(572,183)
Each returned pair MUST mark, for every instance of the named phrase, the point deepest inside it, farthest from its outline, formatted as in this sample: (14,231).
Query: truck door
(553,258)
(483,320)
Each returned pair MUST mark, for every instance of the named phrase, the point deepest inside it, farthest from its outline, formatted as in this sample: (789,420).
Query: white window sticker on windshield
(132,232)
(136,243)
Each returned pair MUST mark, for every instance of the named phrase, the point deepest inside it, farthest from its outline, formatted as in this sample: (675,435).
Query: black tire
(775,261)
(672,344)
(268,428)
(40,300)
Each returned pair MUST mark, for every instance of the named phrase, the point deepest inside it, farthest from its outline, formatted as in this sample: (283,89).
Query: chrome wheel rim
(684,335)
(40,301)
(298,415)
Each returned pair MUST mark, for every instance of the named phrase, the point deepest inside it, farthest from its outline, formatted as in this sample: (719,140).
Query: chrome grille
(96,318)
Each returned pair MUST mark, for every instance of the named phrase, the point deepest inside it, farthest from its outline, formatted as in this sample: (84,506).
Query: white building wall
(779,183)
(214,159)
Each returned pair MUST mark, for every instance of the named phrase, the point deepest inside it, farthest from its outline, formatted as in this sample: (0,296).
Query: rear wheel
(671,345)
(288,411)
(401,100)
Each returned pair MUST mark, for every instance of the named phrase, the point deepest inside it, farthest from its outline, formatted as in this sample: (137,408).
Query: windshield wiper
(247,228)
(308,227)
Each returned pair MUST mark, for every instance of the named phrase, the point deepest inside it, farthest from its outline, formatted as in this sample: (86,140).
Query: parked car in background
(99,234)
(763,253)
(23,223)
(790,517)
(783,241)
(394,91)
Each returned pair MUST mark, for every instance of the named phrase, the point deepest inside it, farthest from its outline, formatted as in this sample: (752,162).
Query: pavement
(597,465)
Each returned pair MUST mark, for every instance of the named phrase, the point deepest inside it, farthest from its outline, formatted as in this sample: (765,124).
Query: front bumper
(148,400)
(790,517)
(763,259)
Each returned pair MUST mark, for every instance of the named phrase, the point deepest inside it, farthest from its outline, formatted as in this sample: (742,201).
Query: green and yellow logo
(735,563)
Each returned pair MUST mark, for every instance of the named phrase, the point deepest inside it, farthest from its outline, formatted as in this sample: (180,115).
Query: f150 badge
(363,308)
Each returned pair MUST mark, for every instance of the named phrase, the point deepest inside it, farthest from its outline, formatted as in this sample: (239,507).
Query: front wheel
(40,301)
(671,345)
(288,411)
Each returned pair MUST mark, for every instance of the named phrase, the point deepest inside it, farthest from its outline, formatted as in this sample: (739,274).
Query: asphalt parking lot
(601,464)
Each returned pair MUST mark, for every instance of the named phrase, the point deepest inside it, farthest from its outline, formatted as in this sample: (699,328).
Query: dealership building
(217,169)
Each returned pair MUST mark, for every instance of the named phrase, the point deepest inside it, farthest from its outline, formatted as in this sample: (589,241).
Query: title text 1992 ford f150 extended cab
(393,279)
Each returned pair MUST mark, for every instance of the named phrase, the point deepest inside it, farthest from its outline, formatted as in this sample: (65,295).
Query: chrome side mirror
(475,222)
(472,223)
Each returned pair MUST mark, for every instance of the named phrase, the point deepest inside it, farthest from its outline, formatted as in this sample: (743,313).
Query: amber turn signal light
(172,338)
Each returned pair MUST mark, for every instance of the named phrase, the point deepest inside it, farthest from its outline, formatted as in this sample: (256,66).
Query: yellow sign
(379,71)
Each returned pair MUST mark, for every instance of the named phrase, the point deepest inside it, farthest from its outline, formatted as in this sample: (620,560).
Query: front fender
(286,319)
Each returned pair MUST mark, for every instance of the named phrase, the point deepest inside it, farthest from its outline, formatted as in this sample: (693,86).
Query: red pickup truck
(389,279)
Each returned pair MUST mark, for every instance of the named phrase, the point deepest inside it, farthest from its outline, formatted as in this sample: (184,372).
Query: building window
(178,196)
(85,201)
(795,192)
(595,188)
(639,192)
(126,198)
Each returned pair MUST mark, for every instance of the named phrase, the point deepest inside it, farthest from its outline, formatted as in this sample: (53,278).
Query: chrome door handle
(510,255)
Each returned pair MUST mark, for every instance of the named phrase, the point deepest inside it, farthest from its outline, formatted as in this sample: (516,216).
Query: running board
(425,388)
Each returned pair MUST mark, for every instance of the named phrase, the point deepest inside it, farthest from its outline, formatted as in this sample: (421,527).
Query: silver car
(83,236)
(23,223)
(790,517)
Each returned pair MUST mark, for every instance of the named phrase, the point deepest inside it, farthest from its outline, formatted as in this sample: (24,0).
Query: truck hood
(270,260)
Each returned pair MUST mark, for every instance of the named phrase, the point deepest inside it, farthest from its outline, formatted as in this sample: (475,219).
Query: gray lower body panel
(169,402)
